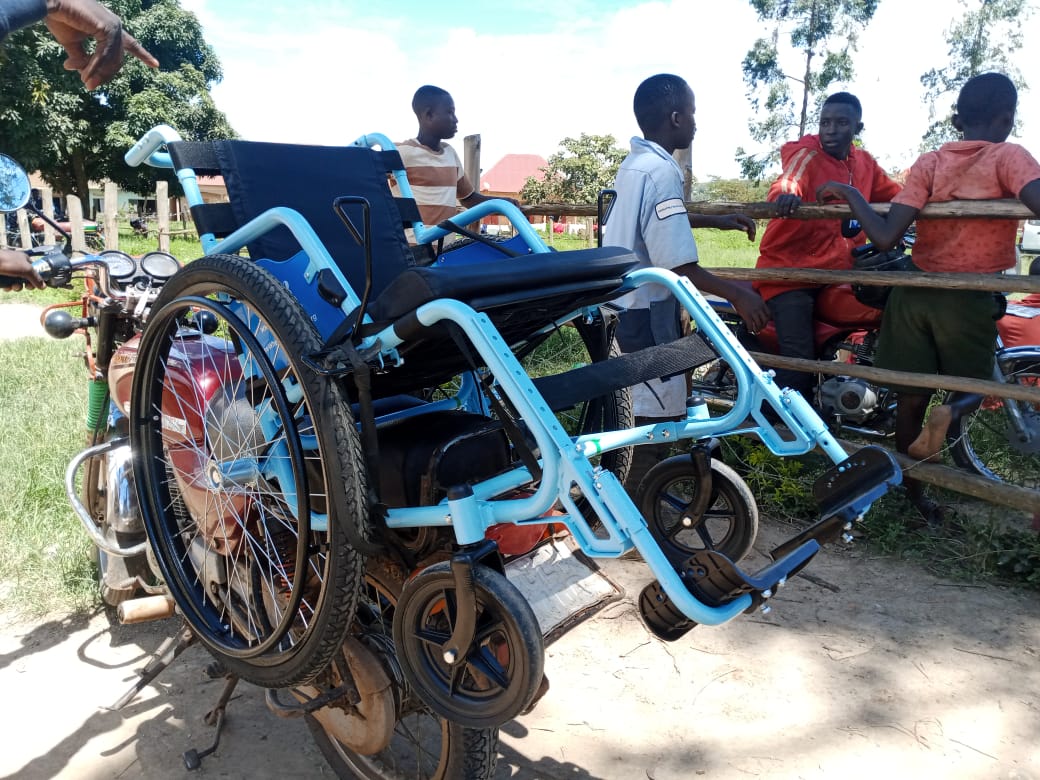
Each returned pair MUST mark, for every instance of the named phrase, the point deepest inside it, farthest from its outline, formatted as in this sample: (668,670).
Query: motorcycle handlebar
(53,267)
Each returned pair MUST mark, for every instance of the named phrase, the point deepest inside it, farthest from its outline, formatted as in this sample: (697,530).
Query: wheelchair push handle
(146,150)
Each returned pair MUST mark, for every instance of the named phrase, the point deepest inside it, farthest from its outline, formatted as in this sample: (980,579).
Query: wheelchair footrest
(848,488)
(716,580)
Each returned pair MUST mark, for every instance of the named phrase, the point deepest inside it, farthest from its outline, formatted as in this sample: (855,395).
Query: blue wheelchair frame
(565,459)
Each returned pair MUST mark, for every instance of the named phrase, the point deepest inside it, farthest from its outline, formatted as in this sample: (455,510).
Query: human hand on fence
(833,190)
(787,204)
(739,222)
(72,22)
(15,264)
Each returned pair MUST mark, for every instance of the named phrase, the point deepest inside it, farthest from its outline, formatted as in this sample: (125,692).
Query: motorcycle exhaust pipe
(145,609)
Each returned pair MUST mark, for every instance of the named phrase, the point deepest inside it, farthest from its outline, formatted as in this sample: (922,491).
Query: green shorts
(935,331)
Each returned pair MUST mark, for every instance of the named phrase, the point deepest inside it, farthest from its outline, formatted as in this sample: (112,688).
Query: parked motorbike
(118,290)
(1001,441)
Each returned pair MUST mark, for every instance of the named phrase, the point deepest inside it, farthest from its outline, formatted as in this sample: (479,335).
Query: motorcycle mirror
(14,185)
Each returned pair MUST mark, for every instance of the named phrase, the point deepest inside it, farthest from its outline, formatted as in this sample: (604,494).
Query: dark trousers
(793,316)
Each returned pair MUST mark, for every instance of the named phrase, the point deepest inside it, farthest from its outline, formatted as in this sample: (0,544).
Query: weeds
(977,542)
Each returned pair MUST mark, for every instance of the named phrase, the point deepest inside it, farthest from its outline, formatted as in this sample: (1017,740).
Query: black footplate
(715,580)
(844,493)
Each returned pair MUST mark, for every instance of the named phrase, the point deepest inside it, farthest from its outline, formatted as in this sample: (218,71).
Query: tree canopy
(49,123)
(823,34)
(577,173)
(982,41)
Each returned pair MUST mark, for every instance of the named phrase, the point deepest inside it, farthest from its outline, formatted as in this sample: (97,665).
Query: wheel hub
(367,727)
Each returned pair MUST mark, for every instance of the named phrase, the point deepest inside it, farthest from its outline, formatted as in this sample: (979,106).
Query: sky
(525,74)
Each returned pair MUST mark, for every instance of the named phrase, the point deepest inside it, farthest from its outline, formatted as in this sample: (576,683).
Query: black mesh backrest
(261,176)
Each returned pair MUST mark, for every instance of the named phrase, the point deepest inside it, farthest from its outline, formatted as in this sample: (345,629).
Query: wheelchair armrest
(425,234)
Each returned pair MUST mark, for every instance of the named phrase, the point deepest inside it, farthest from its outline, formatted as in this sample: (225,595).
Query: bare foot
(928,444)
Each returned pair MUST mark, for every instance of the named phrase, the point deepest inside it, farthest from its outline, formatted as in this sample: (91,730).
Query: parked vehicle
(1031,237)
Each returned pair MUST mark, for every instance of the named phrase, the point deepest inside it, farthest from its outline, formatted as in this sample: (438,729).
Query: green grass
(46,559)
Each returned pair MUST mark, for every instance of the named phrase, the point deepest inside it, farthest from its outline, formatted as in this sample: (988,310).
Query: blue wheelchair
(314,408)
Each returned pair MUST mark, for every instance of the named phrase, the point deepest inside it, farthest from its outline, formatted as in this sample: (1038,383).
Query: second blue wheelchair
(307,397)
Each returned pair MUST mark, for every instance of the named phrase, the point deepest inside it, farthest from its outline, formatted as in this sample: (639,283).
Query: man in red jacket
(818,243)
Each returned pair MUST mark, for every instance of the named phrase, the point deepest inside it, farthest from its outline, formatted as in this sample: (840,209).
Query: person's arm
(885,231)
(725,222)
(1030,196)
(72,22)
(16,264)
(748,303)
(16,14)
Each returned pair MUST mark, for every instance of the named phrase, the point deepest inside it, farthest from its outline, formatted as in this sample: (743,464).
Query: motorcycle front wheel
(424,746)
(246,499)
(1001,439)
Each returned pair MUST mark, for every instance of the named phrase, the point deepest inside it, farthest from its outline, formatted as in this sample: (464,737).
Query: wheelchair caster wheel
(683,520)
(497,676)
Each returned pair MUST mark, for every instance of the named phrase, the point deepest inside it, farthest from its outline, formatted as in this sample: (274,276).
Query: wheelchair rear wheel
(245,498)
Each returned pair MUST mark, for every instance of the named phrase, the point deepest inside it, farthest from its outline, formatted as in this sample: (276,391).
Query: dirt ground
(867,667)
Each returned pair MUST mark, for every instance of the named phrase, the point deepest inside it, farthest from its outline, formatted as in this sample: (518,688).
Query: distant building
(506,178)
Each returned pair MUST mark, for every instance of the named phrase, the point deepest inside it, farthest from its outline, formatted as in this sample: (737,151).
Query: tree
(811,26)
(49,123)
(576,174)
(982,41)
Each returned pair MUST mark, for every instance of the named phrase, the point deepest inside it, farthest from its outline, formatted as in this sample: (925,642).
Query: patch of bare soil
(868,667)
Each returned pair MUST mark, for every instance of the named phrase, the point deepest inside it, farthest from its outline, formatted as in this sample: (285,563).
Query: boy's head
(1034,267)
(986,108)
(664,109)
(435,111)
(840,122)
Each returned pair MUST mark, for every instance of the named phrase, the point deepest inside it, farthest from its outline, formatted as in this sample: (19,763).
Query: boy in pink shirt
(939,330)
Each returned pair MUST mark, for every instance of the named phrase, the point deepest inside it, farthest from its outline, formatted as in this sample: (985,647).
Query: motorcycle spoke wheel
(237,452)
(987,442)
(424,745)
(502,669)
(729,525)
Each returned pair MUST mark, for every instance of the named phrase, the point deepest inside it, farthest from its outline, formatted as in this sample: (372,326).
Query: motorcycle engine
(855,400)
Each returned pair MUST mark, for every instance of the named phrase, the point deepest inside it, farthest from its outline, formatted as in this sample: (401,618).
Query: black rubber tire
(980,440)
(501,674)
(729,525)
(465,754)
(289,593)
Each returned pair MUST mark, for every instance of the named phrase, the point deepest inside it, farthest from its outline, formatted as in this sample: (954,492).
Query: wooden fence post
(471,159)
(111,215)
(48,209)
(24,229)
(162,214)
(75,209)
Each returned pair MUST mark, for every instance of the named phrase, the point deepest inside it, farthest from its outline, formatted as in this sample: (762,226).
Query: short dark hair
(1034,267)
(985,97)
(848,99)
(427,96)
(656,98)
